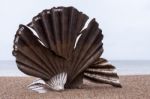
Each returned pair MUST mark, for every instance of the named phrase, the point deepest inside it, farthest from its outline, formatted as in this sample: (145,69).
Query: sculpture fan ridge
(57,54)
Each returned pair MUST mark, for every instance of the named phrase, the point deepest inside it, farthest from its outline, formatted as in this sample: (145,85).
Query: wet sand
(134,87)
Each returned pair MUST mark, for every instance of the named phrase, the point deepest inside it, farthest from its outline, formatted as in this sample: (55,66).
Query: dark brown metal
(54,53)
(102,72)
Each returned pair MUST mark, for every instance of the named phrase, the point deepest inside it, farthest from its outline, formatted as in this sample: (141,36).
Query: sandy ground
(134,87)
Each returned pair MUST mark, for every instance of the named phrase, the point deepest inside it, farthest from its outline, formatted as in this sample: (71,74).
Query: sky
(125,24)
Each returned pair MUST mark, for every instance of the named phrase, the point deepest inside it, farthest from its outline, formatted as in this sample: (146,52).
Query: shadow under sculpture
(57,48)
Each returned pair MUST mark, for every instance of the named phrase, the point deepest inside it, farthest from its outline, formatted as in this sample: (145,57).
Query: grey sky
(125,24)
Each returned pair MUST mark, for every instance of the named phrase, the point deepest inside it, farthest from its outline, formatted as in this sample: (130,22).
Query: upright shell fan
(55,48)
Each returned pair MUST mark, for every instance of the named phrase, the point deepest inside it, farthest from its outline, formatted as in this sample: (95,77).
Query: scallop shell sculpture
(57,48)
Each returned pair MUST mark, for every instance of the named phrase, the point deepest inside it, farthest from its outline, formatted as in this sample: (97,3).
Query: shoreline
(24,75)
(124,67)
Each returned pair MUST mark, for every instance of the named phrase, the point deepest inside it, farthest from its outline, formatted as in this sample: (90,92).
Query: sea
(124,67)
